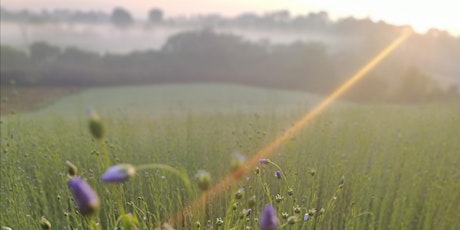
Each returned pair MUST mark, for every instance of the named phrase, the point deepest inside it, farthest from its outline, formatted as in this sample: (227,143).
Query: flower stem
(182,175)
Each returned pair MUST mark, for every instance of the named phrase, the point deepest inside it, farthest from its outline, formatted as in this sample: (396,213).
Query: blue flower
(269,219)
(306,217)
(248,212)
(278,174)
(118,173)
(264,161)
(85,197)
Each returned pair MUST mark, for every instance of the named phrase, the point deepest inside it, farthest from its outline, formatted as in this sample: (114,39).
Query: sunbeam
(269,149)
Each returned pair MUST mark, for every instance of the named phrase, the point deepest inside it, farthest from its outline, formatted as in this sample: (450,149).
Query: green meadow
(355,166)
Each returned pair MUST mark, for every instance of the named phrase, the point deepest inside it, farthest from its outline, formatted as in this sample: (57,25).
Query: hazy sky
(421,14)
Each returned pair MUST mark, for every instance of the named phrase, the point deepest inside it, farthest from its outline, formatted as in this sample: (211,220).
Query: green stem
(183,176)
(265,187)
(119,192)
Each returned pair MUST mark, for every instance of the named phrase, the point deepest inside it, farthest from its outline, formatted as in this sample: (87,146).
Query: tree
(41,52)
(155,15)
(121,17)
(14,65)
(417,87)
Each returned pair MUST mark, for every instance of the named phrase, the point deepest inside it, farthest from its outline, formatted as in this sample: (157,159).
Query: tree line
(281,20)
(207,56)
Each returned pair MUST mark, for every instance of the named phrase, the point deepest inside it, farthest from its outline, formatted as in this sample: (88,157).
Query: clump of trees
(121,17)
(206,56)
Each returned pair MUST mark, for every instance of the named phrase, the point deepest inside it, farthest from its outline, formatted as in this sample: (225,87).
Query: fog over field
(263,121)
(105,38)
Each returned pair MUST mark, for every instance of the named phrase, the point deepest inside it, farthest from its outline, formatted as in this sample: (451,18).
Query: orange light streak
(268,149)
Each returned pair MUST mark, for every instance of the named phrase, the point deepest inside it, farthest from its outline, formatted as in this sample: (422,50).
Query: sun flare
(295,128)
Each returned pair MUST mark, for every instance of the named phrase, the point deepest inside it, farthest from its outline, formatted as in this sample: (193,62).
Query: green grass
(400,164)
(179,99)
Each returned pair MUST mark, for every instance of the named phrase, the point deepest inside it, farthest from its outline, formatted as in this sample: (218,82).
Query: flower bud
(268,219)
(284,215)
(257,171)
(237,160)
(85,197)
(95,125)
(219,221)
(279,198)
(204,179)
(239,194)
(292,220)
(44,223)
(306,217)
(119,173)
(235,206)
(296,209)
(72,170)
(245,213)
(252,201)
(312,212)
(264,161)
(322,211)
(278,174)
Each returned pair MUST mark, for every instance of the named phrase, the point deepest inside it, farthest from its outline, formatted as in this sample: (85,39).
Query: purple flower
(119,173)
(306,217)
(269,219)
(85,197)
(278,174)
(248,212)
(264,161)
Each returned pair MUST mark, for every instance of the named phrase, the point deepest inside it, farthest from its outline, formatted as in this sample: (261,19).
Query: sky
(420,14)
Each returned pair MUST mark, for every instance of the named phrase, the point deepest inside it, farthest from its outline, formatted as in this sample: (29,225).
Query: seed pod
(239,194)
(296,209)
(219,221)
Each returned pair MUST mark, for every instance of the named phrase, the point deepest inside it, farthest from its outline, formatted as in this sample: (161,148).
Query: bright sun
(421,15)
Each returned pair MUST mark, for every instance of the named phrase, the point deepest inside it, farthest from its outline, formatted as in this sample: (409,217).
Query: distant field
(24,99)
(177,99)
(353,167)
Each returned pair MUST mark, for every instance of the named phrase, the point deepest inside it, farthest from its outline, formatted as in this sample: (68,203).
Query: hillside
(178,99)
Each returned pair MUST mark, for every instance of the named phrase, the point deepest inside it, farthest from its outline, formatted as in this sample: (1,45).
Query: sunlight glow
(268,149)
(422,15)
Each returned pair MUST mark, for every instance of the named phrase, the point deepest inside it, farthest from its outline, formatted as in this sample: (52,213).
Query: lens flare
(268,149)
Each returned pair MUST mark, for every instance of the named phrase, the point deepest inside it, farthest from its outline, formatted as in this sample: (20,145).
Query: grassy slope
(24,99)
(166,99)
